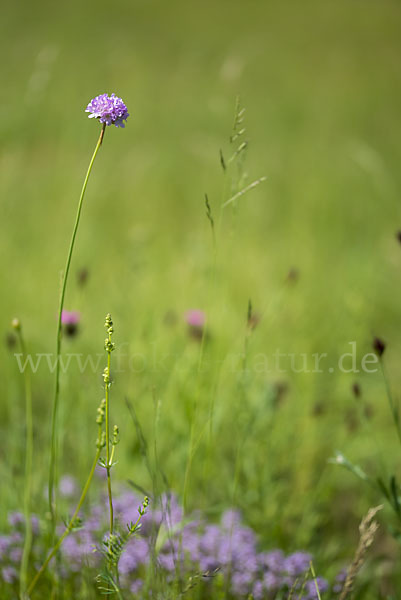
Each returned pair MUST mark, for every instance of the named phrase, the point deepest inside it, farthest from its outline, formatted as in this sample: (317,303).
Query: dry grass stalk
(367,531)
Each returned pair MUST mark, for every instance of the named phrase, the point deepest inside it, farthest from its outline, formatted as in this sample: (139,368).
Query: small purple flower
(15,555)
(70,320)
(297,563)
(16,537)
(9,574)
(108,109)
(231,519)
(4,545)
(16,518)
(273,560)
(136,586)
(272,581)
(311,591)
(340,580)
(70,317)
(35,524)
(68,486)
(196,321)
(195,318)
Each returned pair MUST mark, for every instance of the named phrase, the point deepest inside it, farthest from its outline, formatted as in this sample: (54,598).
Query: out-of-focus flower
(9,574)
(70,320)
(35,524)
(15,555)
(4,545)
(339,581)
(229,548)
(68,486)
(297,563)
(16,324)
(70,317)
(110,110)
(195,320)
(311,591)
(16,519)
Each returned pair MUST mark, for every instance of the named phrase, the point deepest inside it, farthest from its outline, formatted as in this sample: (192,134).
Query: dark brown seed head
(11,340)
(293,275)
(71,329)
(82,276)
(379,346)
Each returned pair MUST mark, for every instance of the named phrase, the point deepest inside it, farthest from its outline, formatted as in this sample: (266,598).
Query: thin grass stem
(28,467)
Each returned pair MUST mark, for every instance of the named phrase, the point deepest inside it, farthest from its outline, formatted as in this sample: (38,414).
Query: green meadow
(305,263)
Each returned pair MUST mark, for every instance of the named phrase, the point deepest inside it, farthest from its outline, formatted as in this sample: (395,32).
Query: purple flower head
(231,519)
(70,320)
(195,318)
(196,321)
(273,560)
(108,109)
(70,317)
(311,591)
(16,518)
(297,563)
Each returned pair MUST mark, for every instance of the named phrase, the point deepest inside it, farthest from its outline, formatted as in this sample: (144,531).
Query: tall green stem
(28,466)
(54,436)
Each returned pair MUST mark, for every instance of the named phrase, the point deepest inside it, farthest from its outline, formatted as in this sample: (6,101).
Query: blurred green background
(321,84)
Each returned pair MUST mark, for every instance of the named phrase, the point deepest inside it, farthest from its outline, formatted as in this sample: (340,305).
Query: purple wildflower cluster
(227,550)
(110,110)
(11,546)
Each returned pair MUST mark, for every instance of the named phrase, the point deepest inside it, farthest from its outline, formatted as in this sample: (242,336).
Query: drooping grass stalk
(99,446)
(52,498)
(28,464)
